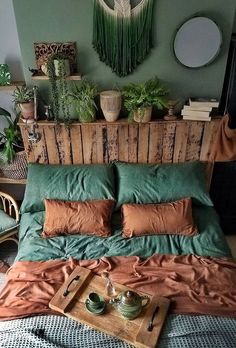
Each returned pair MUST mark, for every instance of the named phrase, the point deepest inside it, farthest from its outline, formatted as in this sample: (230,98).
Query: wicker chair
(10,216)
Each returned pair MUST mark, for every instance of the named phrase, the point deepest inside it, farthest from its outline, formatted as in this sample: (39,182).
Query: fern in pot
(140,98)
(82,97)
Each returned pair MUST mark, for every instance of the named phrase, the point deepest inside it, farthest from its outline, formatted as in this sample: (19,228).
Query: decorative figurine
(171,105)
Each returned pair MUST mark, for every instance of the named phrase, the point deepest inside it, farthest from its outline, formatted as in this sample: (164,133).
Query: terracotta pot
(27,111)
(110,102)
(143,114)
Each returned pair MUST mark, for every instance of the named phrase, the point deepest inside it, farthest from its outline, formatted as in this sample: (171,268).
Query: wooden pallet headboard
(102,142)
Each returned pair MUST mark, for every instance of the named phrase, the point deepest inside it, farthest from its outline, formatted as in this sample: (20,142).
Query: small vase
(143,114)
(110,102)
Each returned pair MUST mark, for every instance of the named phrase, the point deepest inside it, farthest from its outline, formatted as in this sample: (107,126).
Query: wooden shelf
(12,86)
(12,181)
(120,121)
(74,77)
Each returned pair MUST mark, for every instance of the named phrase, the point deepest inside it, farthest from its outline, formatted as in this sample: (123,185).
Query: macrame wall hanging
(122,36)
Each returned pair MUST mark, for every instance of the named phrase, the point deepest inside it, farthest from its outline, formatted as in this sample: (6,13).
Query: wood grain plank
(155,142)
(99,142)
(168,142)
(194,141)
(76,144)
(209,134)
(40,147)
(64,144)
(113,141)
(123,143)
(51,143)
(143,143)
(181,139)
(89,143)
(133,143)
(27,144)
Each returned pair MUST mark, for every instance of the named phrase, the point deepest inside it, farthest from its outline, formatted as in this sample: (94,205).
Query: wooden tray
(111,322)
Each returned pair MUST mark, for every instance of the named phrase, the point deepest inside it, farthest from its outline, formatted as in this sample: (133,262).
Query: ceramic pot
(67,67)
(27,111)
(110,102)
(87,117)
(143,114)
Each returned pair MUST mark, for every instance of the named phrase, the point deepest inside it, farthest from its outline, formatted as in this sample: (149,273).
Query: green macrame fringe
(122,42)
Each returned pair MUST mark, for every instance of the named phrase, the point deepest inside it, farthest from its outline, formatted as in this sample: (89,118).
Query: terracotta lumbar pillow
(167,218)
(88,217)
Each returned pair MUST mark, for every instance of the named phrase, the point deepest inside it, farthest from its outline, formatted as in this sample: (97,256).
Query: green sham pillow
(156,183)
(67,182)
(7,223)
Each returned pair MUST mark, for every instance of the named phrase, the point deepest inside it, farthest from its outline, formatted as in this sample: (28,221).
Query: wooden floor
(231,239)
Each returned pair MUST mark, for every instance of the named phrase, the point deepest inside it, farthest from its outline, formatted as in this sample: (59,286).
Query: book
(195,113)
(192,118)
(203,102)
(198,108)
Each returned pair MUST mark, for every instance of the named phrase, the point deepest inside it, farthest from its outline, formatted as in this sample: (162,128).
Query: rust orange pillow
(87,217)
(167,218)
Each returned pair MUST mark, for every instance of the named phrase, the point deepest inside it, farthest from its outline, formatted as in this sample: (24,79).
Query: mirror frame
(213,58)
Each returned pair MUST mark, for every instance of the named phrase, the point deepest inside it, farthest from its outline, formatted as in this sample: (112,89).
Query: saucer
(97,311)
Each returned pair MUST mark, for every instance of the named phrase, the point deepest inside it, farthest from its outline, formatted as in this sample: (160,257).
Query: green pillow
(67,182)
(156,183)
(7,223)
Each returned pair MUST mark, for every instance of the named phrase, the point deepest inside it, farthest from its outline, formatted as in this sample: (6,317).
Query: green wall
(72,20)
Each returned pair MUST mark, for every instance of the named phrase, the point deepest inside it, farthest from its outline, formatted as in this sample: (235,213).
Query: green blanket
(32,247)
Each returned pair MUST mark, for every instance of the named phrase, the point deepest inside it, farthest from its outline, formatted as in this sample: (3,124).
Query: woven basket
(17,169)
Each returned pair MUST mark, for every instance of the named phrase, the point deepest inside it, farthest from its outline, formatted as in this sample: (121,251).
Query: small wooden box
(111,322)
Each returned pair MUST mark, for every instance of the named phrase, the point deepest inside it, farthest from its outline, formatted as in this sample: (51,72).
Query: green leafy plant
(59,86)
(23,94)
(10,138)
(83,99)
(142,95)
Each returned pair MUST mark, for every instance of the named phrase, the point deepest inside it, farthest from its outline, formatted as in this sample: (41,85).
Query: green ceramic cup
(94,301)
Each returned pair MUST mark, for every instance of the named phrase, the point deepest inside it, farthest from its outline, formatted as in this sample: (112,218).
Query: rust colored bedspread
(196,285)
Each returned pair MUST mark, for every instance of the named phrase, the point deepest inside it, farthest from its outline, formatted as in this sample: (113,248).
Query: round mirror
(197,42)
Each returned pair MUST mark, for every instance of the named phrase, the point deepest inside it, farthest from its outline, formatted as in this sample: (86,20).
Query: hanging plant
(57,70)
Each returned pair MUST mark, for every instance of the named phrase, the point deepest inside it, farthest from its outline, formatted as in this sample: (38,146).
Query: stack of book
(200,109)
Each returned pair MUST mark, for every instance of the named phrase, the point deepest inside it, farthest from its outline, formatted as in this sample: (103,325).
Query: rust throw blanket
(224,147)
(195,284)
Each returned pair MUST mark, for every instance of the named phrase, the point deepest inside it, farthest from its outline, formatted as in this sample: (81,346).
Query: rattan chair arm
(10,206)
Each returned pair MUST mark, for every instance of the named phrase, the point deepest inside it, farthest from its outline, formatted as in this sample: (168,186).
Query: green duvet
(209,242)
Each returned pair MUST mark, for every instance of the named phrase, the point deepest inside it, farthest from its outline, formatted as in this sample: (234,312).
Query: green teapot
(129,304)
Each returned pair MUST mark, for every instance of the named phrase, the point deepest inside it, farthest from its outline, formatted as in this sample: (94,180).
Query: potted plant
(83,99)
(58,69)
(140,98)
(13,160)
(23,97)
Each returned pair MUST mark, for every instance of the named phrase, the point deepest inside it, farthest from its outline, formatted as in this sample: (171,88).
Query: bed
(137,184)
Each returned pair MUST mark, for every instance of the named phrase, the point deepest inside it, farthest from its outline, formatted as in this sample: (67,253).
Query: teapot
(129,304)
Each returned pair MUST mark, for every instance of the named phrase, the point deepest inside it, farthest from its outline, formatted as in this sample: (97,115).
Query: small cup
(94,301)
